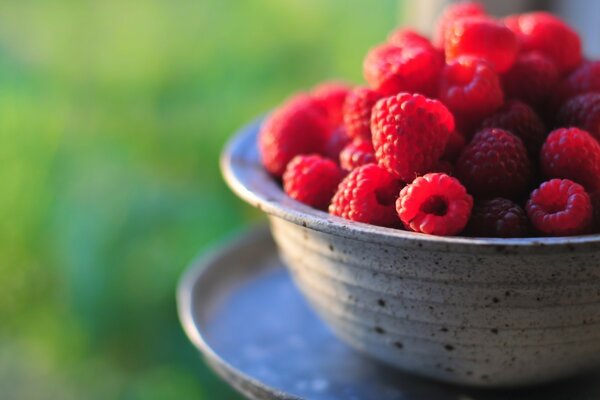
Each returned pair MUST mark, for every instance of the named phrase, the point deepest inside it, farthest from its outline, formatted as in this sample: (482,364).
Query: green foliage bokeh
(112,116)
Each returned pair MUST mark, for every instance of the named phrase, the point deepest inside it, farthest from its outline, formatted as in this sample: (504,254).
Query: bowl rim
(244,174)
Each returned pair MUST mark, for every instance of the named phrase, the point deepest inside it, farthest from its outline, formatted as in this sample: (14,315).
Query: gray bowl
(475,311)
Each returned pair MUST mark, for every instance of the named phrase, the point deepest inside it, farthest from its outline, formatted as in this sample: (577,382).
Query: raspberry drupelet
(357,153)
(495,164)
(560,207)
(436,204)
(357,112)
(573,154)
(299,126)
(482,37)
(391,69)
(368,195)
(312,180)
(498,217)
(410,133)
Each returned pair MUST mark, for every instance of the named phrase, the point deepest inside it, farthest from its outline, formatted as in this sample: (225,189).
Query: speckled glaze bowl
(475,311)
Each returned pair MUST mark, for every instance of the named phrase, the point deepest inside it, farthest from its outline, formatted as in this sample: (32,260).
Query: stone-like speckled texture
(489,312)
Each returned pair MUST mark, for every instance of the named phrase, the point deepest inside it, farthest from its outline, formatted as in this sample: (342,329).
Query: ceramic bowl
(475,311)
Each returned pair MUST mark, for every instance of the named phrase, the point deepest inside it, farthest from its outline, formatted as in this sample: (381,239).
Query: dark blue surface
(257,321)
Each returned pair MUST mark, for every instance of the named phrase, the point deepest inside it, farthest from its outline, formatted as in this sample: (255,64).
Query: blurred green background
(112,116)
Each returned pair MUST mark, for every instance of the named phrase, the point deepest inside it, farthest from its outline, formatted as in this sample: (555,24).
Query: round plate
(241,309)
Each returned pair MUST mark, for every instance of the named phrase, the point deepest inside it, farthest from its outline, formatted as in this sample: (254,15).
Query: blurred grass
(112,116)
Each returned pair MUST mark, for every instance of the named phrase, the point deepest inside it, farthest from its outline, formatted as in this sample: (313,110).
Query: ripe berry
(357,112)
(482,37)
(436,204)
(560,207)
(335,143)
(495,164)
(573,154)
(453,13)
(299,126)
(403,37)
(548,34)
(391,69)
(456,144)
(357,153)
(331,96)
(367,194)
(519,119)
(582,111)
(312,180)
(498,217)
(585,79)
(470,88)
(410,133)
(533,78)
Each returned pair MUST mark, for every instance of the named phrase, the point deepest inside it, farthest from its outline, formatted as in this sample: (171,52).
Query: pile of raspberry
(489,129)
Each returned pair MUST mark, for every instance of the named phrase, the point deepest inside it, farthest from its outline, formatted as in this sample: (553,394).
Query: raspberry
(357,153)
(453,13)
(312,180)
(498,217)
(495,164)
(391,69)
(519,119)
(456,144)
(297,127)
(470,88)
(335,143)
(484,38)
(560,207)
(573,154)
(436,204)
(582,111)
(548,34)
(410,133)
(367,195)
(585,79)
(357,112)
(533,78)
(331,96)
(403,37)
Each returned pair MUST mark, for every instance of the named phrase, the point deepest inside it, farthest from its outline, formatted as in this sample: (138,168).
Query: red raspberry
(495,164)
(484,38)
(470,88)
(367,195)
(335,143)
(436,204)
(453,13)
(391,69)
(357,153)
(583,80)
(297,127)
(456,144)
(357,112)
(312,180)
(548,34)
(403,37)
(582,111)
(519,119)
(533,78)
(573,154)
(331,96)
(410,133)
(560,207)
(443,166)
(498,217)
